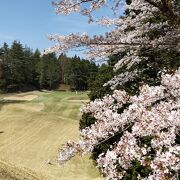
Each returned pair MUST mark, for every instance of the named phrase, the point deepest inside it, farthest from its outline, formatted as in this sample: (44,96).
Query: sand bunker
(21,98)
(78,99)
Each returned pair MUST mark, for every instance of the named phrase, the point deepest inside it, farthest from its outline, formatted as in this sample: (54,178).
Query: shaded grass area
(8,171)
(5,102)
(31,136)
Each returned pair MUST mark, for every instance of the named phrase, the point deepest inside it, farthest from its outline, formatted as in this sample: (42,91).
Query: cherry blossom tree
(153,113)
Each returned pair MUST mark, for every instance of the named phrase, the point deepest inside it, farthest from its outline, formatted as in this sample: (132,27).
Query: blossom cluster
(121,79)
(154,113)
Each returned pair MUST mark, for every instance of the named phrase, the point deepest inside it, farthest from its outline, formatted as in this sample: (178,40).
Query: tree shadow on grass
(5,102)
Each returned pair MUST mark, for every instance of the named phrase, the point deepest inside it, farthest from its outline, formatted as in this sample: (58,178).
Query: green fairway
(31,131)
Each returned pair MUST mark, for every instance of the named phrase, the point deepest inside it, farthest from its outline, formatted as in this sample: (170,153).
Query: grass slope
(31,133)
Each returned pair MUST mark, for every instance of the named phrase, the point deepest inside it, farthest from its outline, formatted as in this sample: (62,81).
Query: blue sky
(30,21)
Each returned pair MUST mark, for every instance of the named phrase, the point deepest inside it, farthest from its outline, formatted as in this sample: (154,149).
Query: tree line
(23,69)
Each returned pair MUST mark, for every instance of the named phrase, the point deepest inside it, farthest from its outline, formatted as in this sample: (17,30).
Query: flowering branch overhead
(119,39)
